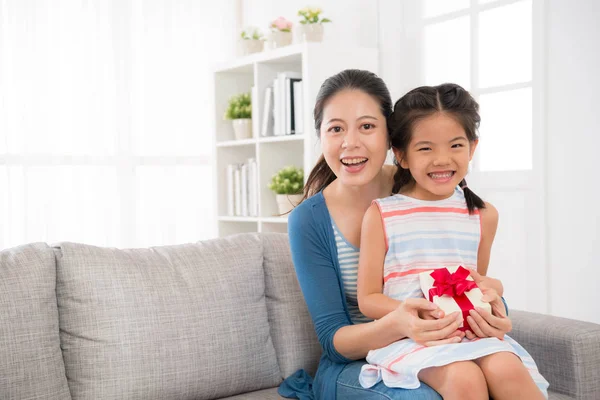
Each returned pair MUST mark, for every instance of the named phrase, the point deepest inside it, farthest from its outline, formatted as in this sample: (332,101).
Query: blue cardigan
(315,258)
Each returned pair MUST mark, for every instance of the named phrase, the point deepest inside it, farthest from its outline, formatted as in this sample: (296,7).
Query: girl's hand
(413,319)
(485,324)
(485,282)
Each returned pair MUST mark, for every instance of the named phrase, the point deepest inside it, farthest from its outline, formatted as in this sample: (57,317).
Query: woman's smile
(354,164)
(354,137)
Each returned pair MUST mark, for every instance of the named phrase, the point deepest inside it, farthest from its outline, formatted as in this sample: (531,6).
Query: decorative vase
(280,39)
(250,46)
(242,128)
(311,32)
(287,202)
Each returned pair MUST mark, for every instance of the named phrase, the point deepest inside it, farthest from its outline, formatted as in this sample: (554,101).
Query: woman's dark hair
(423,102)
(349,79)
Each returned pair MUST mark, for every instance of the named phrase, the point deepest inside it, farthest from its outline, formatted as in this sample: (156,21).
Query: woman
(350,115)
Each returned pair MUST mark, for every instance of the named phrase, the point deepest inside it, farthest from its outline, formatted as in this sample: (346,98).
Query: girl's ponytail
(401,177)
(473,201)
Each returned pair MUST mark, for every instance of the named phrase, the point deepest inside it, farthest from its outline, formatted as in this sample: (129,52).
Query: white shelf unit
(316,62)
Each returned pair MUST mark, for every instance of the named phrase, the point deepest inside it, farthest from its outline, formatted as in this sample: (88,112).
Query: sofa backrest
(292,330)
(31,363)
(170,322)
(194,321)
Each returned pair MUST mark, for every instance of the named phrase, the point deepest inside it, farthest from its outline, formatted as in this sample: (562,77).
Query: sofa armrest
(566,351)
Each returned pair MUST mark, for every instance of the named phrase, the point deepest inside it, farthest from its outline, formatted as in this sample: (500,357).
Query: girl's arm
(418,319)
(483,323)
(371,300)
(341,341)
(489,224)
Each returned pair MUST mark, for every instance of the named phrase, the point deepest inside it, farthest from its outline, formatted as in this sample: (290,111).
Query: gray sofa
(213,319)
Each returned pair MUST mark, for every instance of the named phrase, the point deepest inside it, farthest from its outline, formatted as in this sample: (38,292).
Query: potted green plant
(281,32)
(252,40)
(311,24)
(239,111)
(287,184)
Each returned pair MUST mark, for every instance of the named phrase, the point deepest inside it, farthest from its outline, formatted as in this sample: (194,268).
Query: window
(495,49)
(104,109)
(486,47)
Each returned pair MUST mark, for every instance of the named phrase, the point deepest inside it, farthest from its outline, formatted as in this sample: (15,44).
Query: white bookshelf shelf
(287,54)
(315,62)
(286,138)
(237,219)
(230,143)
(275,220)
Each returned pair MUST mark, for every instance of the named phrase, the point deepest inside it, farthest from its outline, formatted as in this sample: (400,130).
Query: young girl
(436,221)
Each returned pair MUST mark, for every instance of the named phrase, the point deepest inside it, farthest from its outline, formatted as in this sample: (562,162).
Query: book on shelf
(283,103)
(267,117)
(298,94)
(290,126)
(230,189)
(237,190)
(244,189)
(252,187)
(242,194)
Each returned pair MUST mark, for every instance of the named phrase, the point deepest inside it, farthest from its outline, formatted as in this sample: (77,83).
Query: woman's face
(354,137)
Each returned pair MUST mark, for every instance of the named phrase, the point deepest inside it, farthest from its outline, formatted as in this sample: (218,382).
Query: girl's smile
(441,176)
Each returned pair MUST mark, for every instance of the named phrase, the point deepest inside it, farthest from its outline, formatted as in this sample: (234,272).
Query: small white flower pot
(280,39)
(287,202)
(250,46)
(242,128)
(311,32)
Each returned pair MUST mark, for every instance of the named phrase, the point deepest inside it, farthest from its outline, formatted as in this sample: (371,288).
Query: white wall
(573,181)
(572,125)
(354,21)
(363,23)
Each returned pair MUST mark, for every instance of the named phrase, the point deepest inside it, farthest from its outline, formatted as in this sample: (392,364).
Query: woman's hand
(414,319)
(485,324)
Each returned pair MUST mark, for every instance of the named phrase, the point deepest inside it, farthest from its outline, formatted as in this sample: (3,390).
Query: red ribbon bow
(454,285)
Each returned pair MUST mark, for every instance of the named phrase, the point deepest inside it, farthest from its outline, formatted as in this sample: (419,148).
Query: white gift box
(451,304)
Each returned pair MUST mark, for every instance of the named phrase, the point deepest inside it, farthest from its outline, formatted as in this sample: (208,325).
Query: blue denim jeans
(348,388)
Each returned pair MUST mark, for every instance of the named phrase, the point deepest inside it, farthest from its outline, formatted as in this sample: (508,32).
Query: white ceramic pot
(250,46)
(242,128)
(311,32)
(287,202)
(280,39)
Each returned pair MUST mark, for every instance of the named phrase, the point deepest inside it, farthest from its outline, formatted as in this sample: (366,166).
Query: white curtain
(106,119)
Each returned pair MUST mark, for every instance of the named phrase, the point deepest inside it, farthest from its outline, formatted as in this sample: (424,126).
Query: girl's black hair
(423,102)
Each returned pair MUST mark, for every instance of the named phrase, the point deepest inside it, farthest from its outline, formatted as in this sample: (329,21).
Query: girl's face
(437,156)
(354,137)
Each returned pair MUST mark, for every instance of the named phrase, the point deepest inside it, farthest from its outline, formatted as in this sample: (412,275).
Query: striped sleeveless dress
(420,236)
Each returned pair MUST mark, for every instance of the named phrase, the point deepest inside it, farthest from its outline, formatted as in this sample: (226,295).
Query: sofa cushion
(566,351)
(292,329)
(31,364)
(266,394)
(172,322)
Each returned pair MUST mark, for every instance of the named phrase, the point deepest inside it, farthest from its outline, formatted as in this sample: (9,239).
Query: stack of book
(283,113)
(242,189)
